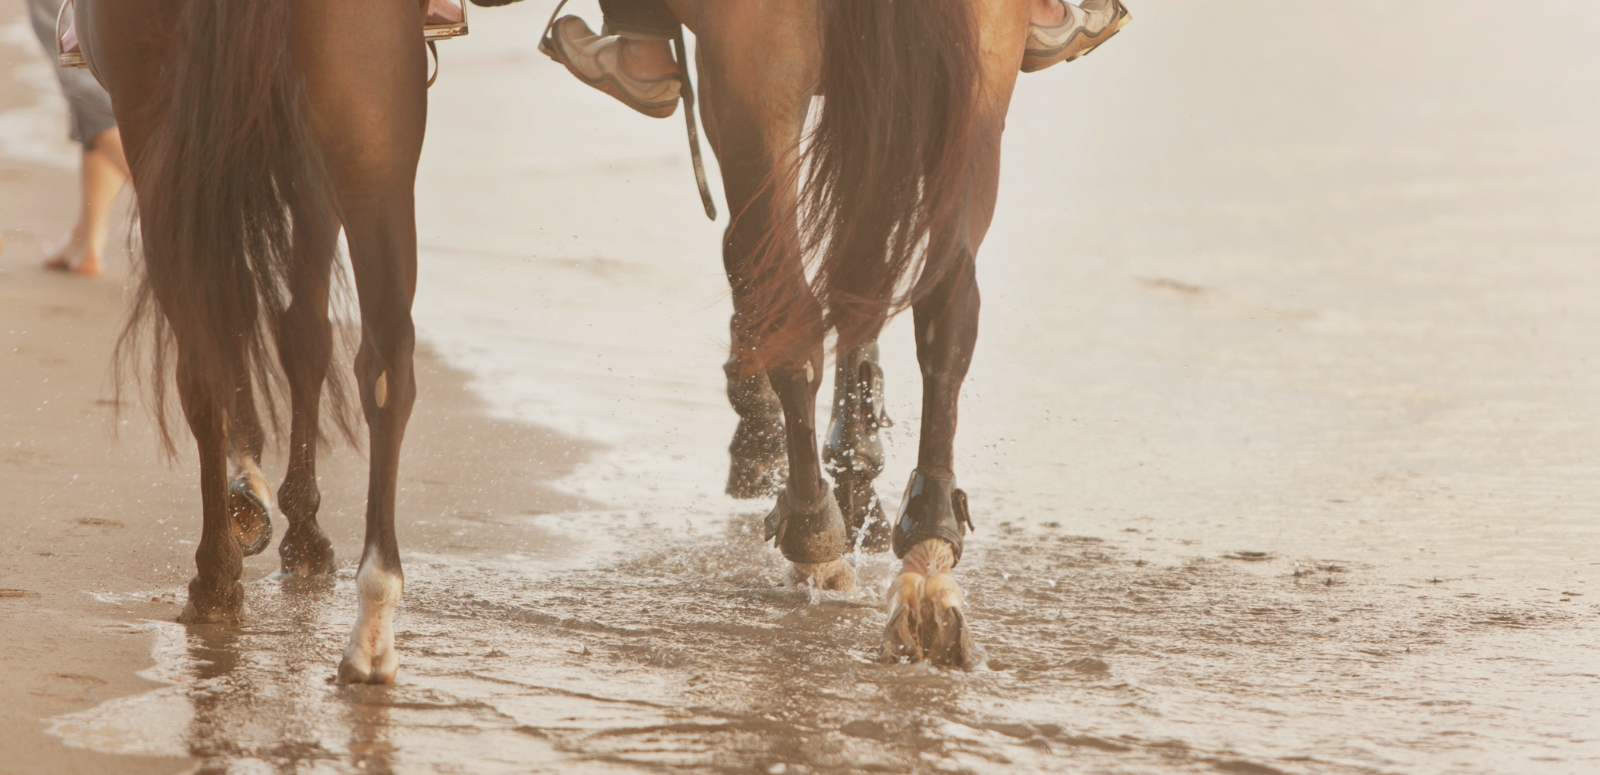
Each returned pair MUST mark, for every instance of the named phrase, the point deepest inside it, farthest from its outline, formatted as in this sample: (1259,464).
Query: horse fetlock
(212,600)
(299,499)
(371,657)
(933,508)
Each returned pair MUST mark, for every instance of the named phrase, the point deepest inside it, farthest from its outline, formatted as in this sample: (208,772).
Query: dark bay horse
(255,129)
(886,201)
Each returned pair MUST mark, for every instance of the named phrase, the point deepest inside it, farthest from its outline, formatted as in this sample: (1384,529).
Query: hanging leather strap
(686,93)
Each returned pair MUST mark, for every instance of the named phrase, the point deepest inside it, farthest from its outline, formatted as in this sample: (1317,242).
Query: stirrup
(446,19)
(933,508)
(68,52)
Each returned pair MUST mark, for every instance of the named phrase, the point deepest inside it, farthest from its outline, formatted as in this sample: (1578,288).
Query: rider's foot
(639,73)
(1077,32)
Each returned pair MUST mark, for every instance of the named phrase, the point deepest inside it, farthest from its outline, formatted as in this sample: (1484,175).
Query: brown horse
(886,201)
(254,131)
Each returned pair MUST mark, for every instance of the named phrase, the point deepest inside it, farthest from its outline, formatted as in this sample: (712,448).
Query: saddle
(443,20)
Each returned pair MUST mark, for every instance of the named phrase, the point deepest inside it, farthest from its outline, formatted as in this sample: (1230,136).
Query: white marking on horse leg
(370,657)
(380,390)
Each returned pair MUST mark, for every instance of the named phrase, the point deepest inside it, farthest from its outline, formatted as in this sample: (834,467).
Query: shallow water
(1280,438)
(687,658)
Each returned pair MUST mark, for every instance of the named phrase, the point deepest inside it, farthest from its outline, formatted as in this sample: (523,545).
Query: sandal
(597,60)
(444,19)
(68,53)
(1084,28)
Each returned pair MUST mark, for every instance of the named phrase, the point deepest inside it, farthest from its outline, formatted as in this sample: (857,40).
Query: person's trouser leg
(639,19)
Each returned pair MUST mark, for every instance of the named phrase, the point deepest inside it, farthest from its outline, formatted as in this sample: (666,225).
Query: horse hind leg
(371,97)
(305,348)
(215,593)
(853,453)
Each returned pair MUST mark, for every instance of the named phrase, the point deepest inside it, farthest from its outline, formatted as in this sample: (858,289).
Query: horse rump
(883,177)
(231,149)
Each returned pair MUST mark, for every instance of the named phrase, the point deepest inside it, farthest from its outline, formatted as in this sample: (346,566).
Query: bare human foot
(74,258)
(102,172)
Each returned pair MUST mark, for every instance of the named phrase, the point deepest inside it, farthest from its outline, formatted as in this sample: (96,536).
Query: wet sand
(1284,458)
(96,517)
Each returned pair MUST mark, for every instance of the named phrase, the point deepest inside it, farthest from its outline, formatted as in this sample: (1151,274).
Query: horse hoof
(371,657)
(250,512)
(926,622)
(865,524)
(358,668)
(306,554)
(834,575)
(210,605)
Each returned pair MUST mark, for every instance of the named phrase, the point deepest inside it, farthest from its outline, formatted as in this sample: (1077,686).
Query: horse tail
(231,148)
(885,169)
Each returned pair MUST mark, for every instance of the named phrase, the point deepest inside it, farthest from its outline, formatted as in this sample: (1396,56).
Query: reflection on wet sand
(688,658)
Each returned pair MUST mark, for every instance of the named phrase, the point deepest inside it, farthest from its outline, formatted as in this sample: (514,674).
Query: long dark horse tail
(231,149)
(885,171)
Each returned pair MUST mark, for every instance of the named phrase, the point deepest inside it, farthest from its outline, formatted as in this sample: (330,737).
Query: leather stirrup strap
(686,93)
(550,25)
(435,51)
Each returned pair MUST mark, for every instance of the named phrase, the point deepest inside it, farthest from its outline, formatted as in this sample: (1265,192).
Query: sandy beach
(1281,439)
